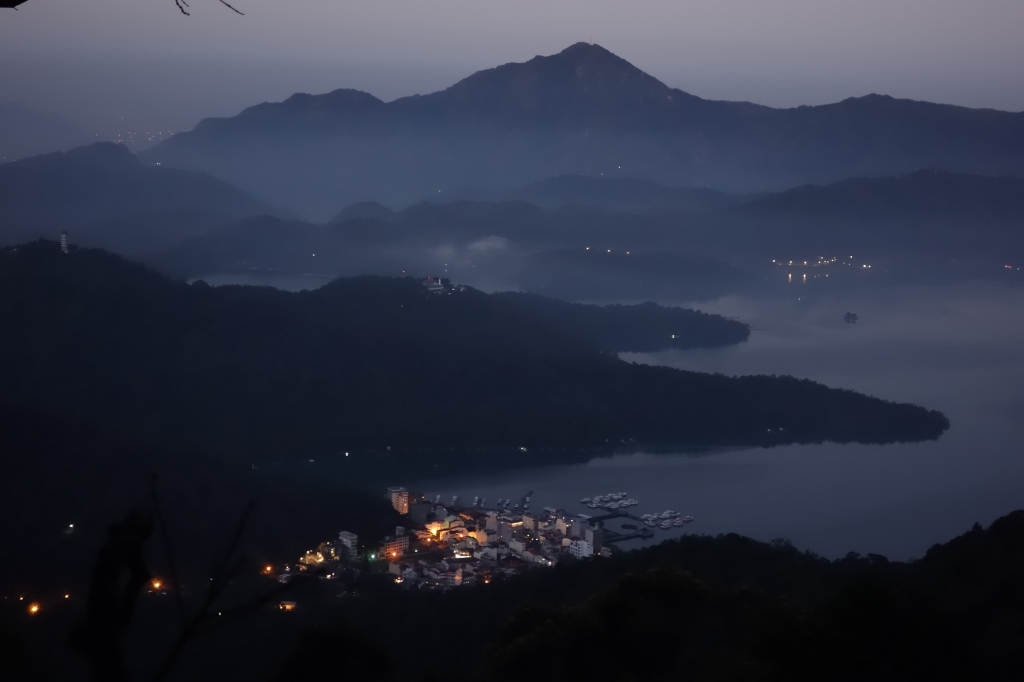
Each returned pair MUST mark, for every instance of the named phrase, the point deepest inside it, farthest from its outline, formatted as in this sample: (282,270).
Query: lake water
(957,348)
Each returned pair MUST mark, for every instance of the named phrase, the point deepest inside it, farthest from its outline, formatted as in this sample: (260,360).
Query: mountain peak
(582,83)
(584,49)
(583,52)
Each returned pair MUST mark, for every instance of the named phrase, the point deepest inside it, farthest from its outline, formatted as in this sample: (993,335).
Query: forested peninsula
(377,367)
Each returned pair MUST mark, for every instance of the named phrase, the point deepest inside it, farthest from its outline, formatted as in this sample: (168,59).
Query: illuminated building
(399,499)
(395,545)
(350,543)
(64,241)
(286,606)
(580,548)
(436,285)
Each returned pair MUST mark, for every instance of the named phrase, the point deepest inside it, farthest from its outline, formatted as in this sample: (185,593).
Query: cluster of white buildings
(453,547)
(449,547)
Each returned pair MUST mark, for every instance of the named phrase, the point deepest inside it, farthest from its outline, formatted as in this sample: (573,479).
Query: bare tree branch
(184,7)
(230,7)
(118,576)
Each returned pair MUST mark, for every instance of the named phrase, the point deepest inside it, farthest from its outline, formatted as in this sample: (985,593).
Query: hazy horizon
(144,66)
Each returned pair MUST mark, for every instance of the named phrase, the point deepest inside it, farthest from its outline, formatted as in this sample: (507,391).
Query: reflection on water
(959,349)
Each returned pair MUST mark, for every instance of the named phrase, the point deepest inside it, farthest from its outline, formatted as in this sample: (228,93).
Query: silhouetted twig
(112,597)
(171,567)
(183,4)
(230,7)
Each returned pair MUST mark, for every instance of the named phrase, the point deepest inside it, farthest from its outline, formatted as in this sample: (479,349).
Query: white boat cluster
(666,519)
(609,501)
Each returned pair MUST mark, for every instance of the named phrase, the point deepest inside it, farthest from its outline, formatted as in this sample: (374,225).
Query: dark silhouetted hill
(369,363)
(583,111)
(104,196)
(945,215)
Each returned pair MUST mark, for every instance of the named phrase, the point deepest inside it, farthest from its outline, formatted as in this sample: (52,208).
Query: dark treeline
(368,363)
(62,482)
(706,608)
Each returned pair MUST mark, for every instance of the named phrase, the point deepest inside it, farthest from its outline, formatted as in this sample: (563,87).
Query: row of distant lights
(821,261)
(35,607)
(609,250)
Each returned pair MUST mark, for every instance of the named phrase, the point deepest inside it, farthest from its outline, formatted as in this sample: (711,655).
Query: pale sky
(94,61)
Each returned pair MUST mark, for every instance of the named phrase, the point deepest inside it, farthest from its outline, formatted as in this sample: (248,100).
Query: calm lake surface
(956,348)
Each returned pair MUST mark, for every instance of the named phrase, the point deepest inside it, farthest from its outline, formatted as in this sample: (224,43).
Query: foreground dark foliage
(716,608)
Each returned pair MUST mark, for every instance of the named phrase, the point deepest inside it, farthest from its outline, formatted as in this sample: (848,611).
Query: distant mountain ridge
(921,222)
(583,111)
(950,216)
(932,192)
(629,194)
(107,197)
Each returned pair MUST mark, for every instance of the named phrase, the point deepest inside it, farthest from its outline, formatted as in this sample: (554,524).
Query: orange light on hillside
(268,569)
(33,608)
(156,584)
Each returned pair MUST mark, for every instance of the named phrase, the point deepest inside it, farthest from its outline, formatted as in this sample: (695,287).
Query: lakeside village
(449,546)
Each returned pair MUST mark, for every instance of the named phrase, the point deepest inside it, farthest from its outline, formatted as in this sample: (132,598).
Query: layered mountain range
(106,196)
(508,176)
(581,111)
